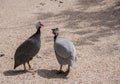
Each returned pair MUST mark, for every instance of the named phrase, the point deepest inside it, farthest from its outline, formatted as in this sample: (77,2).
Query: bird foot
(31,71)
(25,70)
(60,72)
(66,72)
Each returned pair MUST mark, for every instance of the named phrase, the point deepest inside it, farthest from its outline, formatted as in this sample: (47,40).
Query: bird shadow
(50,74)
(13,72)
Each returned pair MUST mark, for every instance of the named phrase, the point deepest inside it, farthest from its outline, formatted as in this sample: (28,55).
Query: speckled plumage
(64,50)
(28,49)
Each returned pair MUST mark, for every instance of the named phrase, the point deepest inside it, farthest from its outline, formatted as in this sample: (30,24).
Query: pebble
(1,55)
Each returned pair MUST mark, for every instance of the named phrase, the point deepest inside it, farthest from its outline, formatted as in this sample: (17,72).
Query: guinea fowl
(28,49)
(65,52)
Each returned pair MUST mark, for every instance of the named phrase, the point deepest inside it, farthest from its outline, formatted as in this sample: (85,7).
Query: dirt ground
(92,25)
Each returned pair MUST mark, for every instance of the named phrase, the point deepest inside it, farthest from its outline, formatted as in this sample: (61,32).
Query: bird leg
(60,71)
(30,69)
(68,70)
(24,67)
(29,65)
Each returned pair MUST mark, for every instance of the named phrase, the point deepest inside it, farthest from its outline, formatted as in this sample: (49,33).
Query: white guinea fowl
(65,51)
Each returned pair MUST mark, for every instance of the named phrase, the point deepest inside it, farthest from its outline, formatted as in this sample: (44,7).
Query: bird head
(39,25)
(55,31)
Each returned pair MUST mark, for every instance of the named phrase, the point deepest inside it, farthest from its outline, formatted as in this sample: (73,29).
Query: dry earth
(93,26)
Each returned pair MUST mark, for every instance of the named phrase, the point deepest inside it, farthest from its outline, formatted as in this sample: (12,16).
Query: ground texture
(92,25)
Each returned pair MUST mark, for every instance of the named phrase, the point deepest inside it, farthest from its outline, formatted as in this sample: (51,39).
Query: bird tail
(15,66)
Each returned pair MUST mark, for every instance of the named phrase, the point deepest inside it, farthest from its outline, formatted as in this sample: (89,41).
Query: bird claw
(66,72)
(32,71)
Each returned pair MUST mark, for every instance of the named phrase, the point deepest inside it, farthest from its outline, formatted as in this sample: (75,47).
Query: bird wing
(63,48)
(28,48)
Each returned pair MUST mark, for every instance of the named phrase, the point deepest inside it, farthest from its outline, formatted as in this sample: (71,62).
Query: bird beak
(42,25)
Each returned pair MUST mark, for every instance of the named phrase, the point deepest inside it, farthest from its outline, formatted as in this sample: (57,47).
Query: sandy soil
(93,26)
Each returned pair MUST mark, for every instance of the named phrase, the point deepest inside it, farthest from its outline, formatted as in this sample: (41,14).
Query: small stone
(37,56)
(60,2)
(1,55)
(42,4)
(58,5)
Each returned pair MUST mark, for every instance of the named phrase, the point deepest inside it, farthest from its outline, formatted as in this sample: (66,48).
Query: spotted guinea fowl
(65,51)
(28,49)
